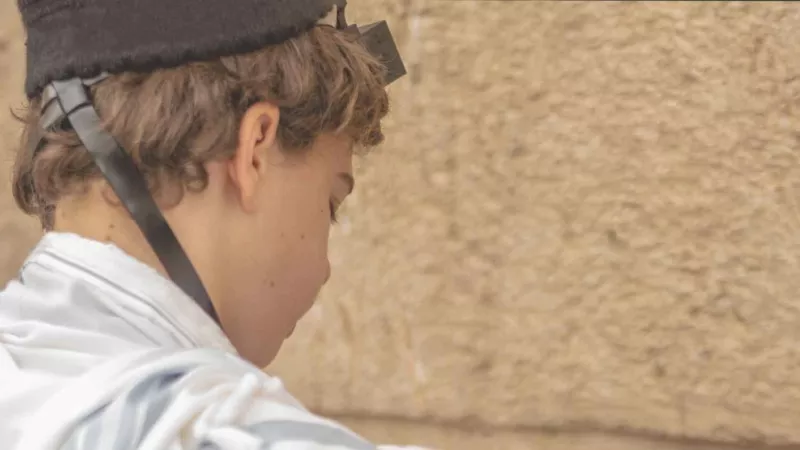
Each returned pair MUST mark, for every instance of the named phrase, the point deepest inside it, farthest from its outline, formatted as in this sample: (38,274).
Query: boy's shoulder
(199,398)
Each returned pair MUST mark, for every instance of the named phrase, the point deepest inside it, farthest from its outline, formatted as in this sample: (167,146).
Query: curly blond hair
(173,121)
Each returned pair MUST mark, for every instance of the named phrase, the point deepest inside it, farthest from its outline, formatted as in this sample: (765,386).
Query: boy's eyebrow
(349,180)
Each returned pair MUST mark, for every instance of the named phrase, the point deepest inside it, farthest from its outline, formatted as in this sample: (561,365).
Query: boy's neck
(94,217)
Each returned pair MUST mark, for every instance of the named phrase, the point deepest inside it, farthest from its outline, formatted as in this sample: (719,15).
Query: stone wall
(17,232)
(585,219)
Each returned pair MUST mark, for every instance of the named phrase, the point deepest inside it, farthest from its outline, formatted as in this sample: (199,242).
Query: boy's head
(247,154)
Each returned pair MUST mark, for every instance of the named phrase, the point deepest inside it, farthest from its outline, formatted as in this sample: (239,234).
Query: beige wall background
(582,232)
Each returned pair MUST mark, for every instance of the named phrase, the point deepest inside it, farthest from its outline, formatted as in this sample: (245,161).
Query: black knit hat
(69,38)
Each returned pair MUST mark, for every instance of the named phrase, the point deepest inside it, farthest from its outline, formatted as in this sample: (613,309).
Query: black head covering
(81,38)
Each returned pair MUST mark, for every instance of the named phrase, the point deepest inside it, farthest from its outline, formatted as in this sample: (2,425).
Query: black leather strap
(72,99)
(52,114)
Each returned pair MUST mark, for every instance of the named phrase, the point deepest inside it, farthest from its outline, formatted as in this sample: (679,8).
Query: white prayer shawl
(99,351)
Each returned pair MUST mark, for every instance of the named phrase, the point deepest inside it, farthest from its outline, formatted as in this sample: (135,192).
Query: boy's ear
(258,133)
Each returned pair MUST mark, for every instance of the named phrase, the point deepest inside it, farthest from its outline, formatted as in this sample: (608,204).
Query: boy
(186,158)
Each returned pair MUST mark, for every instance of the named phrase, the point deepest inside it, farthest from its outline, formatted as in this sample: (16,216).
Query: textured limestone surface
(17,232)
(586,213)
(585,217)
(464,438)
